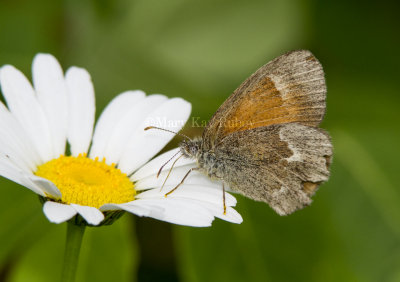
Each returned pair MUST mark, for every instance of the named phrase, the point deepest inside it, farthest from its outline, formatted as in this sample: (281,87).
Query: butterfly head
(190,148)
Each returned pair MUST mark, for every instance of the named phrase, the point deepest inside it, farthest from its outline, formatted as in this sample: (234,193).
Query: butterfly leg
(183,179)
(169,172)
(223,196)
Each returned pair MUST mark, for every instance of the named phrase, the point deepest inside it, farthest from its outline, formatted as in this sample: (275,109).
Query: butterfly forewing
(290,88)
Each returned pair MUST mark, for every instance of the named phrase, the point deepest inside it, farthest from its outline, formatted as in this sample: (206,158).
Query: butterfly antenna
(167,130)
(169,172)
(161,168)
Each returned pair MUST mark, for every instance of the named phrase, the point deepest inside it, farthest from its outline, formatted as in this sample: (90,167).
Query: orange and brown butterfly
(264,141)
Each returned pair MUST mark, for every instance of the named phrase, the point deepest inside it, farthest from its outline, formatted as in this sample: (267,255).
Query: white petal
(190,205)
(92,215)
(111,115)
(58,213)
(171,115)
(187,212)
(48,79)
(152,167)
(192,192)
(180,212)
(8,150)
(132,207)
(23,104)
(81,104)
(14,147)
(218,211)
(36,184)
(175,177)
(10,169)
(126,128)
(14,173)
(207,198)
(15,143)
(46,186)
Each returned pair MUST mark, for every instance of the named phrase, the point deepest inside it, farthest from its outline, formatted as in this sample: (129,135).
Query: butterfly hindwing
(281,165)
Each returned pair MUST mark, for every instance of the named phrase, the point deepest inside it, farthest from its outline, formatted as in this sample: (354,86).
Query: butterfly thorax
(207,161)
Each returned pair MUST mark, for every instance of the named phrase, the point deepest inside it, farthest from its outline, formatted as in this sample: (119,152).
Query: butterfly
(264,141)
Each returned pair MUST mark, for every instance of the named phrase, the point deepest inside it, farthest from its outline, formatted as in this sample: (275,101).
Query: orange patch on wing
(264,105)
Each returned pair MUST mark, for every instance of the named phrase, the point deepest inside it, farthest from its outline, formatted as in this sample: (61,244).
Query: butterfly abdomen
(209,164)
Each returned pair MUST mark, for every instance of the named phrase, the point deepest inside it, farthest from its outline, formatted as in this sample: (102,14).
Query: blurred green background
(201,51)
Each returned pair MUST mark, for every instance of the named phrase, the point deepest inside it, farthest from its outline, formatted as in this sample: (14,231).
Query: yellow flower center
(88,182)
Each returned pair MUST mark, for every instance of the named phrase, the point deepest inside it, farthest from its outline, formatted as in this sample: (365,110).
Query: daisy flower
(48,143)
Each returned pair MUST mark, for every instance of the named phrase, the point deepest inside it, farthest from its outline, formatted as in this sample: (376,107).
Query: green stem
(72,249)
